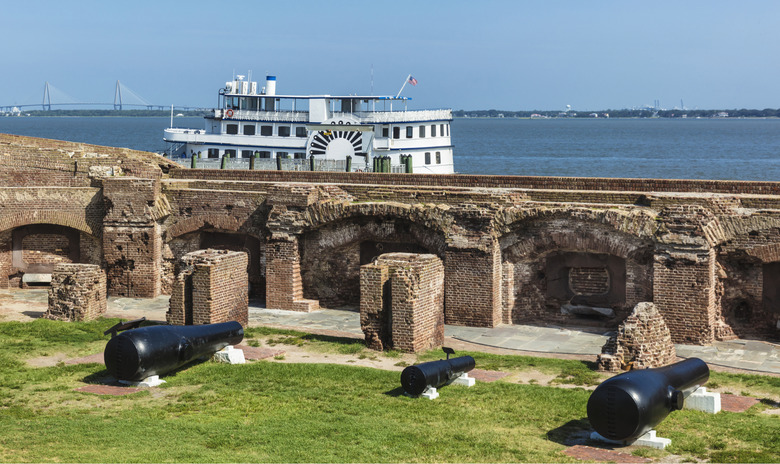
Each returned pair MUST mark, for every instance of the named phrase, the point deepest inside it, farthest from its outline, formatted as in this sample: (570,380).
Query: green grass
(266,411)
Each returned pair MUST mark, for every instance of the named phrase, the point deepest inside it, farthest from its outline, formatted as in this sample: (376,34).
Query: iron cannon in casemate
(143,352)
(416,379)
(630,404)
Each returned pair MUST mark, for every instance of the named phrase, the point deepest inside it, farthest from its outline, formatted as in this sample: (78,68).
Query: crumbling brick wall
(211,287)
(643,340)
(77,293)
(402,302)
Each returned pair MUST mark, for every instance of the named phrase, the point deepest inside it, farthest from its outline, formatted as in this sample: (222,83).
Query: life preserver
(229,113)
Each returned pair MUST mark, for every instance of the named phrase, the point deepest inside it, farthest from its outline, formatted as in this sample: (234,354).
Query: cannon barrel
(630,404)
(416,379)
(140,353)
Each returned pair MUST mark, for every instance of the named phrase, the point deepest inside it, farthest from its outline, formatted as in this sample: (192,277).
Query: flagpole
(402,87)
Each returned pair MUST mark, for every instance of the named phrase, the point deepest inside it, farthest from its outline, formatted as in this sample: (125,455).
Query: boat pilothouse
(258,122)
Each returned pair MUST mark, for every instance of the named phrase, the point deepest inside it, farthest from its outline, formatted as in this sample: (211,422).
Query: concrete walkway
(740,354)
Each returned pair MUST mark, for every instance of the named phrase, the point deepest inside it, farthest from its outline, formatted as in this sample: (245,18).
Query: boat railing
(278,116)
(379,117)
(269,164)
(180,130)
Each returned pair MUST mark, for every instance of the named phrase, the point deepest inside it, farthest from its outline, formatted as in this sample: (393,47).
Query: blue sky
(510,55)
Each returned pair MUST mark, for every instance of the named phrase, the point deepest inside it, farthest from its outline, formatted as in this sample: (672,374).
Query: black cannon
(630,404)
(140,353)
(416,379)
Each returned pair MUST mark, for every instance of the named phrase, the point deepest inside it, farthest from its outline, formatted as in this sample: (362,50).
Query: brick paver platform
(108,390)
(487,376)
(735,403)
(252,353)
(93,358)
(590,453)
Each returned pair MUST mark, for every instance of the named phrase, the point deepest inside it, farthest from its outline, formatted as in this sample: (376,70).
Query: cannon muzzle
(416,379)
(630,404)
(140,353)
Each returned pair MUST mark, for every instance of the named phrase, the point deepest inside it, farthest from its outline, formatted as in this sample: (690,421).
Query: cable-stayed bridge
(123,97)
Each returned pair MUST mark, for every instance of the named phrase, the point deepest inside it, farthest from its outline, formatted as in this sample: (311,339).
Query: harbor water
(735,149)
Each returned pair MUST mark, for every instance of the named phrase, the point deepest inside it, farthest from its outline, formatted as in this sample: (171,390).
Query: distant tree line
(623,113)
(125,113)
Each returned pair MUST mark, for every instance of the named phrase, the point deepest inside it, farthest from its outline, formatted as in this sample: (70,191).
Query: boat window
(385,132)
(300,131)
(409,130)
(250,104)
(249,129)
(448,130)
(213,153)
(266,130)
(284,131)
(282,154)
(427,157)
(231,102)
(230,153)
(396,132)
(246,153)
(232,129)
(264,154)
(438,157)
(433,130)
(422,131)
(299,155)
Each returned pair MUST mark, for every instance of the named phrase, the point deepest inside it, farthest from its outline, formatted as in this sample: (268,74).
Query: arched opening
(563,269)
(331,255)
(219,240)
(32,251)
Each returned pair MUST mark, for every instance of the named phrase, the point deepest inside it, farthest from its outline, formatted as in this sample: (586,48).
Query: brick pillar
(401,302)
(132,244)
(212,287)
(283,284)
(472,287)
(77,293)
(684,293)
(374,304)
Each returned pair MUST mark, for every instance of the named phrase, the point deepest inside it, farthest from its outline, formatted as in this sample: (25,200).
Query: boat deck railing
(269,164)
(366,117)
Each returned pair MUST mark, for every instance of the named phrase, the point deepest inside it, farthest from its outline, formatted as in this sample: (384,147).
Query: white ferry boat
(258,122)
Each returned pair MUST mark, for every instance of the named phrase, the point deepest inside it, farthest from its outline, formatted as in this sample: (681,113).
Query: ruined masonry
(642,341)
(514,250)
(402,302)
(77,293)
(211,287)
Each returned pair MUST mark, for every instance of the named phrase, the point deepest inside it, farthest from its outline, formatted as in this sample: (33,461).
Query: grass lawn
(269,411)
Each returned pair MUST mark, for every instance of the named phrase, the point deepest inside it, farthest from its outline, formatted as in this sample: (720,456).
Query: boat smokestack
(270,85)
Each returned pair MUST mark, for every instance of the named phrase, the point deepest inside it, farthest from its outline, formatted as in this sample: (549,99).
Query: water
(737,149)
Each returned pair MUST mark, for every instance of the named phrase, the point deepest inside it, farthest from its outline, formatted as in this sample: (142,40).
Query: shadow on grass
(395,392)
(574,432)
(104,377)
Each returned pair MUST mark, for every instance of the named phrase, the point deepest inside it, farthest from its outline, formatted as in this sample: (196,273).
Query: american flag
(412,80)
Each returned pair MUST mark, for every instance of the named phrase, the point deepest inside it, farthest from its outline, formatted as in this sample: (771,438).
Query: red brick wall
(409,315)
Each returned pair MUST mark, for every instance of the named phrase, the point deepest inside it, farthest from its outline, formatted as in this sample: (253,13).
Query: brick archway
(341,241)
(557,262)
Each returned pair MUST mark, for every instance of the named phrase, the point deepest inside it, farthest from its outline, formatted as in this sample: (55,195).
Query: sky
(489,54)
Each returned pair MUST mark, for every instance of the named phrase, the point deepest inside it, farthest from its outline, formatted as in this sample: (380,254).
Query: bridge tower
(118,97)
(46,104)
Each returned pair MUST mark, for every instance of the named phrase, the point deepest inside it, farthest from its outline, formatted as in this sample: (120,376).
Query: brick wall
(642,341)
(472,288)
(211,287)
(402,302)
(132,243)
(77,292)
